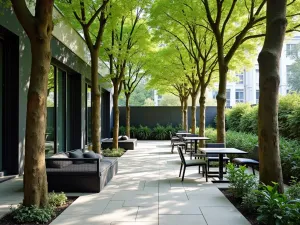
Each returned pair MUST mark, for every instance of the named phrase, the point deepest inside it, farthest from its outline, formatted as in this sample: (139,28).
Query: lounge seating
(247,161)
(79,174)
(189,163)
(129,144)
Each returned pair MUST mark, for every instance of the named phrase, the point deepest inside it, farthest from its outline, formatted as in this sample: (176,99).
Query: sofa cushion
(58,164)
(91,155)
(77,154)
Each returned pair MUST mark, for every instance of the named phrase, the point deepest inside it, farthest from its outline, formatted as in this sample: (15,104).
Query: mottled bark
(182,112)
(116,117)
(221,100)
(127,115)
(269,62)
(39,30)
(193,111)
(202,115)
(96,102)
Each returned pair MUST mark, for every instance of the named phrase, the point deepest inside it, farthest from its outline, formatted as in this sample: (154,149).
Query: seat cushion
(58,164)
(195,162)
(91,155)
(76,155)
(245,161)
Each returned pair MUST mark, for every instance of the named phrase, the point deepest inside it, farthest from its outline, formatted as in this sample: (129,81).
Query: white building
(247,88)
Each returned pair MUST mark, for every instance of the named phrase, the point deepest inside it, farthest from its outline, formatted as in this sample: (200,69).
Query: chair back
(170,135)
(181,155)
(256,153)
(214,145)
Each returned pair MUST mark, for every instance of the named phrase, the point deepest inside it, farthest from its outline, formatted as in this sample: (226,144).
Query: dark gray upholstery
(129,144)
(59,164)
(85,177)
(247,161)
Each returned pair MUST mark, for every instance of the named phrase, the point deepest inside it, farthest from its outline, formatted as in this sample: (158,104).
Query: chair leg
(203,170)
(183,174)
(253,170)
(199,169)
(208,165)
(172,148)
(206,173)
(180,170)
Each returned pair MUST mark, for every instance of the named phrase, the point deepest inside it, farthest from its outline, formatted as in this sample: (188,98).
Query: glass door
(1,103)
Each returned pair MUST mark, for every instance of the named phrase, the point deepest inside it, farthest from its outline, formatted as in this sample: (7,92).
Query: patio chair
(248,162)
(173,138)
(190,142)
(178,143)
(215,157)
(189,163)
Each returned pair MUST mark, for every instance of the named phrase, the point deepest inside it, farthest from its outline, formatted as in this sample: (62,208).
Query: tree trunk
(116,116)
(193,109)
(96,102)
(221,101)
(269,60)
(202,115)
(127,115)
(182,112)
(39,30)
(185,115)
(35,178)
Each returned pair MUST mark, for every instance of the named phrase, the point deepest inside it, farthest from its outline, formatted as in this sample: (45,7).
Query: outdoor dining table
(221,152)
(182,133)
(195,139)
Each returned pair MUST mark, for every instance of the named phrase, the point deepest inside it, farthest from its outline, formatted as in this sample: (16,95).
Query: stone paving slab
(146,191)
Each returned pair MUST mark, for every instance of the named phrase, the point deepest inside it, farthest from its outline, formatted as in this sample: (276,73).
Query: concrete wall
(164,115)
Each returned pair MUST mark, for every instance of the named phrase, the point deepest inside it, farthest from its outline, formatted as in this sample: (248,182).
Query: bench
(129,144)
(247,161)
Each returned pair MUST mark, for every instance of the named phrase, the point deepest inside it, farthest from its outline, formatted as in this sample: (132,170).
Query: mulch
(8,220)
(237,204)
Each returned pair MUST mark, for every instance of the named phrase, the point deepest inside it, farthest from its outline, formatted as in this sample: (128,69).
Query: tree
(38,28)
(149,102)
(168,76)
(269,60)
(169,100)
(125,37)
(233,24)
(184,27)
(132,79)
(139,96)
(90,17)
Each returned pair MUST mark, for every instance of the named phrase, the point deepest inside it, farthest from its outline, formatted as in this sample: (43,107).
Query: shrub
(287,104)
(32,214)
(249,121)
(160,133)
(249,201)
(56,200)
(113,152)
(293,124)
(276,208)
(170,128)
(122,130)
(241,183)
(133,131)
(143,132)
(293,192)
(235,114)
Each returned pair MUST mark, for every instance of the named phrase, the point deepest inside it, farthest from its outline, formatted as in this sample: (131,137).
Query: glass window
(240,78)
(288,71)
(290,50)
(88,115)
(227,97)
(257,96)
(50,130)
(61,110)
(239,95)
(1,100)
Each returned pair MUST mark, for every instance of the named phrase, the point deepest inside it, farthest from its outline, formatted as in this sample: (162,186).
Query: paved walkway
(146,191)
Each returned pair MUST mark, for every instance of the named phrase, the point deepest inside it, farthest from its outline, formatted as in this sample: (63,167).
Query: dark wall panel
(150,116)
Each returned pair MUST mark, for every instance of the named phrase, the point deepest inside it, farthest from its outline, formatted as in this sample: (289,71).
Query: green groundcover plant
(113,152)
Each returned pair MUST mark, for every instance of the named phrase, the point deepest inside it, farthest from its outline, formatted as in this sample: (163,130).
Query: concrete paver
(146,191)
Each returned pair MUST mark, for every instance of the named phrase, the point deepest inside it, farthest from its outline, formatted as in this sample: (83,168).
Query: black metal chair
(173,138)
(189,163)
(190,142)
(178,143)
(248,162)
(215,157)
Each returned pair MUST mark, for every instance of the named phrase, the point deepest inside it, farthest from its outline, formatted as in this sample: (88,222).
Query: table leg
(221,166)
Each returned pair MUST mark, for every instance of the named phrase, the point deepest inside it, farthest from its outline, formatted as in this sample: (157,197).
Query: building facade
(68,99)
(246,88)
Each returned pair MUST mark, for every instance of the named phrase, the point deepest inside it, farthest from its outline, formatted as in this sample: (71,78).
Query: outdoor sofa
(126,143)
(76,171)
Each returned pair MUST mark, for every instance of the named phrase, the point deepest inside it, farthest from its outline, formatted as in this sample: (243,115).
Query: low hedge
(158,132)
(289,149)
